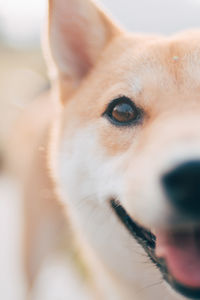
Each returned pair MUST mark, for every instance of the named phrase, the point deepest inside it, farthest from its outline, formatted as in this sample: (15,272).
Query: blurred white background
(20,20)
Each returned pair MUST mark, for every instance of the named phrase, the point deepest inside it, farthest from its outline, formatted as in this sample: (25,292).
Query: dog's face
(128,149)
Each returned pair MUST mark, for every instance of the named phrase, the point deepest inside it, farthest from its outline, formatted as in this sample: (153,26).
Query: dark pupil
(123,112)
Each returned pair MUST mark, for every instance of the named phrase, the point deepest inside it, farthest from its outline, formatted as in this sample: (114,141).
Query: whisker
(155,284)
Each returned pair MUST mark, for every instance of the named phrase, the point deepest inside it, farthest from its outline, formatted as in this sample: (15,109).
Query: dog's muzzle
(175,251)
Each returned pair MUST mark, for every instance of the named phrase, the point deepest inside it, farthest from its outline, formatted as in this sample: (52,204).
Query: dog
(123,151)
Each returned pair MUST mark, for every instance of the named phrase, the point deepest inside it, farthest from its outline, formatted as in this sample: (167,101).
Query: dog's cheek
(143,195)
(115,140)
(85,171)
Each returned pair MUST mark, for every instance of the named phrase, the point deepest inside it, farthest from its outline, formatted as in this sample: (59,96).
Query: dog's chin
(175,253)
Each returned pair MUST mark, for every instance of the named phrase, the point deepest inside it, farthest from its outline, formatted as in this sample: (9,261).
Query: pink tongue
(181,252)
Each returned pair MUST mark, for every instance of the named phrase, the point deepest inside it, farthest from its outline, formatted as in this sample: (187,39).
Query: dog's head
(128,148)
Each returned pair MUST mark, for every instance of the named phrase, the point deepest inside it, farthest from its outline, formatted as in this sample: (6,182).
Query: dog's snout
(182,187)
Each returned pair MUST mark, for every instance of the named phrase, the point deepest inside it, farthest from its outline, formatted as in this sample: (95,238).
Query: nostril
(182,186)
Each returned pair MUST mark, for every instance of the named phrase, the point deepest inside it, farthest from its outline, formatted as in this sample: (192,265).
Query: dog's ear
(78,32)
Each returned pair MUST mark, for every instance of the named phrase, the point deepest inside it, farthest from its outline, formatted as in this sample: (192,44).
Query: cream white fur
(88,178)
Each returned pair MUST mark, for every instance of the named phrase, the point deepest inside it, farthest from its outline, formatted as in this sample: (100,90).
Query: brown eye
(123,112)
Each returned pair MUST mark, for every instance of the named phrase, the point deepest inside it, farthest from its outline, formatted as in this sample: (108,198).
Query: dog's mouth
(175,253)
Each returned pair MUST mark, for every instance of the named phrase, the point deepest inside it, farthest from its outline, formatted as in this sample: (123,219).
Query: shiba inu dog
(124,151)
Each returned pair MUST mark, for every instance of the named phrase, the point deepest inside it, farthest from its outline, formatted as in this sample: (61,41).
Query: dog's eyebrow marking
(136,86)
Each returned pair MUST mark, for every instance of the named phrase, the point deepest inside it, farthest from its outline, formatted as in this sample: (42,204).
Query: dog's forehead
(144,67)
(162,61)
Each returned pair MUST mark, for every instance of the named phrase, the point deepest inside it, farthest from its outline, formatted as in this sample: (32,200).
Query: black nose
(182,187)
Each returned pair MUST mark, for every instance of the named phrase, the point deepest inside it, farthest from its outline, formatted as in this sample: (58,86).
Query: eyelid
(118,100)
(123,99)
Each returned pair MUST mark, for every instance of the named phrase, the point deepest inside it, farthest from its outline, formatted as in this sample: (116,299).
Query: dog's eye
(123,112)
